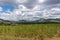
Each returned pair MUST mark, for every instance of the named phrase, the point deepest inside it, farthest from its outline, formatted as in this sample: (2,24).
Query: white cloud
(21,1)
(52,13)
(42,1)
(1,9)
(23,13)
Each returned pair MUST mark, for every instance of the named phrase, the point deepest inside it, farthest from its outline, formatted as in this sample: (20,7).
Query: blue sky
(29,10)
(7,6)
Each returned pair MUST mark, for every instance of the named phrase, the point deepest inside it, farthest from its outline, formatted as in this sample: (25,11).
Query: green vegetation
(34,31)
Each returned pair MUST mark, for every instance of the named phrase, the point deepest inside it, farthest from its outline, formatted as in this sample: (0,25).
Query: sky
(30,10)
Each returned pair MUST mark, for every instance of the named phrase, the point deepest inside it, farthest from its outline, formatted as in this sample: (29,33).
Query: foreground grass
(35,31)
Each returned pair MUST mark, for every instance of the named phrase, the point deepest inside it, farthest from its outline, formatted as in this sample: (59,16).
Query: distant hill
(42,20)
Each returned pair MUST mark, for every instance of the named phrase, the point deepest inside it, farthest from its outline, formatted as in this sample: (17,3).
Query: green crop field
(29,31)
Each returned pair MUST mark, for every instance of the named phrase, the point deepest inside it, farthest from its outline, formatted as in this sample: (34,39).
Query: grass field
(29,31)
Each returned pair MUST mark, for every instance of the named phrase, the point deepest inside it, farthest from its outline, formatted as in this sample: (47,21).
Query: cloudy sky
(29,10)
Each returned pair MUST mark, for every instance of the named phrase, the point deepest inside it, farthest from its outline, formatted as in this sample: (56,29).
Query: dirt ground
(18,38)
(54,38)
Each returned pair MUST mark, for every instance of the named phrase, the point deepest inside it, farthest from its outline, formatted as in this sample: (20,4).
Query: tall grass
(37,31)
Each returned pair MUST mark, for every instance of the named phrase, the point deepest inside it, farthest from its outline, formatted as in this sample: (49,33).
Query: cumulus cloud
(1,9)
(2,2)
(51,2)
(30,10)
(52,12)
(22,13)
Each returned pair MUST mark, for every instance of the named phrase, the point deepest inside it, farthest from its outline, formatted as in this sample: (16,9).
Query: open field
(30,32)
